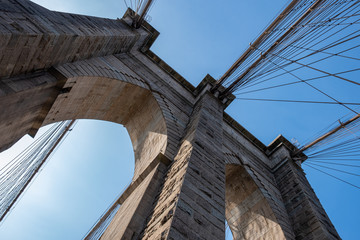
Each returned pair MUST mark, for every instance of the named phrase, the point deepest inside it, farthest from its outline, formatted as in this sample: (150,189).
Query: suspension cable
(19,172)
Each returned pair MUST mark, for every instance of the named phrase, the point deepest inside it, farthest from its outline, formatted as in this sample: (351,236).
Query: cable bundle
(338,154)
(303,44)
(18,173)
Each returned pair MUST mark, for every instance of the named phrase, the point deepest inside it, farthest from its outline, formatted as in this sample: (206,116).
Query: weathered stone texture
(21,113)
(130,220)
(33,38)
(239,150)
(248,212)
(200,210)
(307,216)
(196,178)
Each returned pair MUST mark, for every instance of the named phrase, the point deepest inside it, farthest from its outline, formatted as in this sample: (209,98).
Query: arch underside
(120,102)
(247,210)
(87,97)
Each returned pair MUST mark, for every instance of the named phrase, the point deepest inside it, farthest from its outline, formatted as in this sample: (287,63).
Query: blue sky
(95,163)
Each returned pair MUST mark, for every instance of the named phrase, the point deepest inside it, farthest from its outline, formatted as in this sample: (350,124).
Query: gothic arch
(247,211)
(120,102)
(110,96)
(110,67)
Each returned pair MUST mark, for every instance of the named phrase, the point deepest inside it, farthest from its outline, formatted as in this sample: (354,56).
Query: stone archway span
(247,210)
(113,68)
(89,89)
(111,98)
(116,101)
(256,173)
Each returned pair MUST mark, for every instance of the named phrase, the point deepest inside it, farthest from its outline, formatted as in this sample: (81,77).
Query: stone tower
(194,165)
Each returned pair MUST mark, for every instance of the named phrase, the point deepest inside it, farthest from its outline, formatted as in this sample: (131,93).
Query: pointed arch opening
(247,210)
(100,98)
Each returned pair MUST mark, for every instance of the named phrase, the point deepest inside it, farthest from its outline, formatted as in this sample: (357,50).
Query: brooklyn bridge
(207,154)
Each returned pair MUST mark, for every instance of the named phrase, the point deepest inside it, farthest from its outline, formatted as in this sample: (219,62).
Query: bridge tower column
(191,204)
(308,218)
